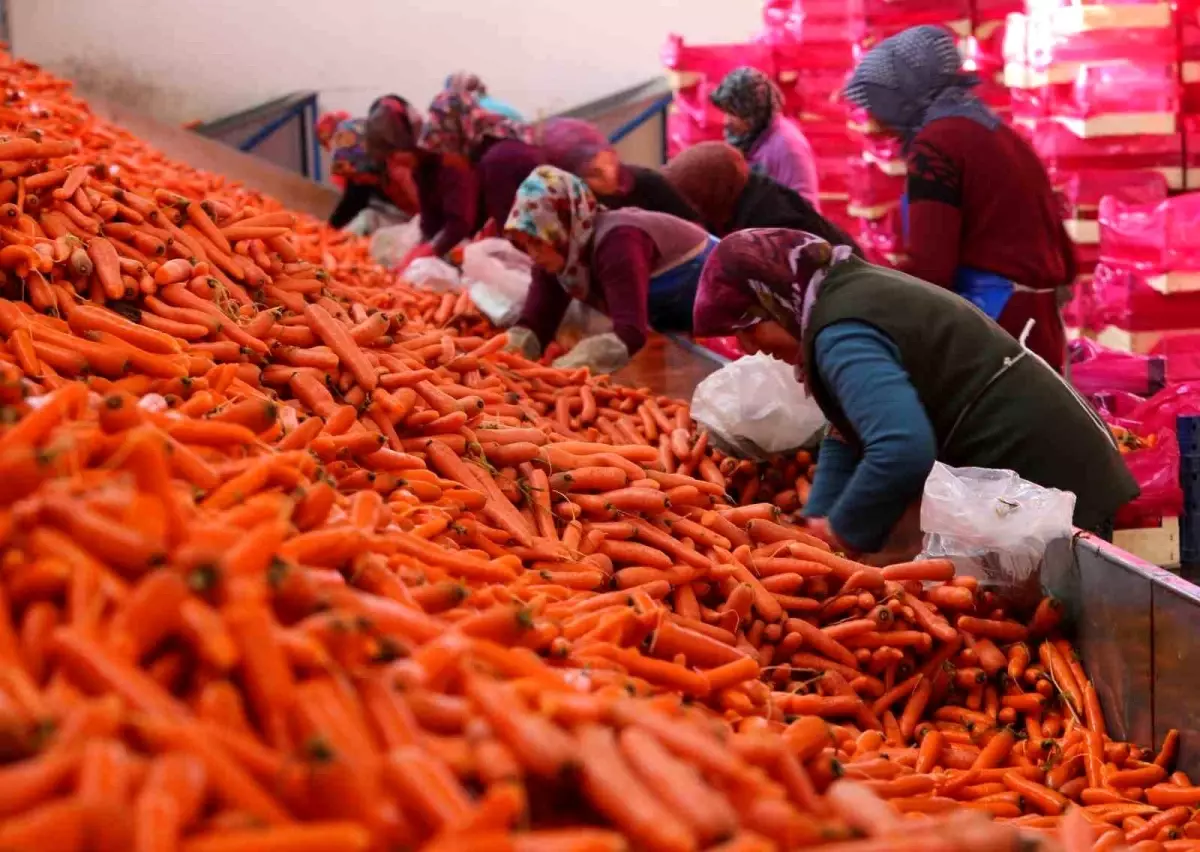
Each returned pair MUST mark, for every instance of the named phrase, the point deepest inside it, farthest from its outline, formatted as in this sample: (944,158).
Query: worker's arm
(353,201)
(459,189)
(934,190)
(861,367)
(621,267)
(836,462)
(545,306)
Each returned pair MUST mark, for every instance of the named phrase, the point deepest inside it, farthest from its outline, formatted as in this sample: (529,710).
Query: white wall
(201,59)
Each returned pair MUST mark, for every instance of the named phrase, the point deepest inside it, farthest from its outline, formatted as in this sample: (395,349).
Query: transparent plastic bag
(391,243)
(498,276)
(755,408)
(993,525)
(433,273)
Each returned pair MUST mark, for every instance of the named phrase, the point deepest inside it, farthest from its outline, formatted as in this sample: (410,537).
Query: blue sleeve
(861,367)
(836,462)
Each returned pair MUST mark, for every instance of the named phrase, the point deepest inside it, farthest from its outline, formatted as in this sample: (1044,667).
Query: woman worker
(906,373)
(463,81)
(717,180)
(772,143)
(326,127)
(637,266)
(579,147)
(365,162)
(473,160)
(982,219)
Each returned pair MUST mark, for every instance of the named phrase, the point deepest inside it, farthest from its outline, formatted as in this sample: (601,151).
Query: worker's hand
(821,529)
(524,342)
(602,353)
(422,250)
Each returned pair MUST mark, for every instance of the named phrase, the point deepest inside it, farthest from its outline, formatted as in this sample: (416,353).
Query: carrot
(107,267)
(931,570)
(613,788)
(311,837)
(339,340)
(1042,797)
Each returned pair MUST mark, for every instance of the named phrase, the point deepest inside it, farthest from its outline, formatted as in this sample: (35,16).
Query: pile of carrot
(295,559)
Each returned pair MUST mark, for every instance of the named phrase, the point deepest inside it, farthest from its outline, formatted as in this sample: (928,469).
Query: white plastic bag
(390,243)
(756,408)
(994,525)
(433,273)
(498,276)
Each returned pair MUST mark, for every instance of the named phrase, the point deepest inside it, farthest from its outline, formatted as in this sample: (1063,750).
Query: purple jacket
(783,154)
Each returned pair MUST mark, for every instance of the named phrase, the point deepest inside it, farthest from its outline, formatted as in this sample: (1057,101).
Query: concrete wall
(180,60)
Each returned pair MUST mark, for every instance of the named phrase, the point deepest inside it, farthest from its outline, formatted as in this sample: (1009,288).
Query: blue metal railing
(250,129)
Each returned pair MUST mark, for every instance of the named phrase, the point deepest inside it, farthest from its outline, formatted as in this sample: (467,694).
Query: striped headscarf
(558,209)
(913,78)
(750,95)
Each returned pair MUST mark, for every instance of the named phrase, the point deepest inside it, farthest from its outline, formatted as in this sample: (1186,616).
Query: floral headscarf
(349,158)
(763,274)
(558,208)
(459,124)
(750,95)
(465,81)
(914,77)
(327,125)
(712,177)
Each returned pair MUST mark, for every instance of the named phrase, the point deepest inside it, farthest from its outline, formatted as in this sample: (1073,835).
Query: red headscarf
(762,274)
(712,177)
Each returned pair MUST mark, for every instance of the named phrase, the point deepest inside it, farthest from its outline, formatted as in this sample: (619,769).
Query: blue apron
(673,292)
(985,290)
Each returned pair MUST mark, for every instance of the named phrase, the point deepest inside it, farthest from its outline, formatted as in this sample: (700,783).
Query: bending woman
(773,144)
(473,161)
(579,147)
(982,218)
(907,374)
(717,180)
(637,266)
(368,162)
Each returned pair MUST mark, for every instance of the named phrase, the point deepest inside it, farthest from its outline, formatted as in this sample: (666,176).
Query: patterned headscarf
(558,208)
(762,274)
(459,124)
(327,125)
(712,177)
(465,81)
(349,158)
(750,95)
(392,125)
(571,143)
(913,78)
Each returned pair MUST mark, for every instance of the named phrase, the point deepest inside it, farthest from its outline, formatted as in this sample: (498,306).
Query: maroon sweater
(620,272)
(981,198)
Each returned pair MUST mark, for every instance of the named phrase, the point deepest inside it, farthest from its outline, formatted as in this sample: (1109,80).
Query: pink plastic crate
(1043,47)
(1118,88)
(1123,299)
(714,61)
(1061,149)
(873,194)
(1082,190)
(1159,237)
